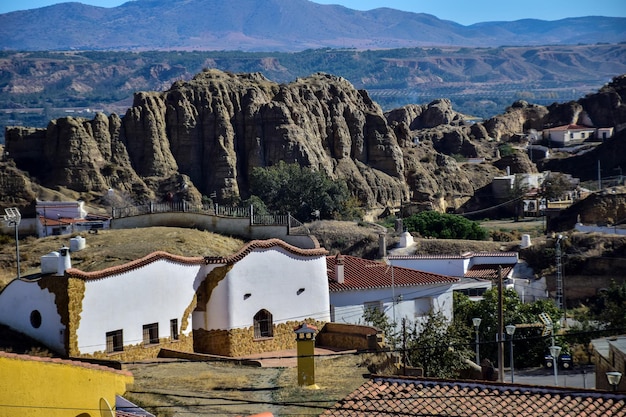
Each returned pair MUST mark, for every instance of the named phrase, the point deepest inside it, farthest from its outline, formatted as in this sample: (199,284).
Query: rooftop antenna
(13,218)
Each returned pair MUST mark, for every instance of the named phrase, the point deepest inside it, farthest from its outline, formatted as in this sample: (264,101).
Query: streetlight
(476,321)
(555,351)
(510,330)
(13,218)
(614,378)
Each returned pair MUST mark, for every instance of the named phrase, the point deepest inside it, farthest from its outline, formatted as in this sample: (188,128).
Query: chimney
(339,268)
(64,261)
(382,245)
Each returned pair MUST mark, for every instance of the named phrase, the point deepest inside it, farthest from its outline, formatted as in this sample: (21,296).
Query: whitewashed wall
(19,299)
(349,306)
(154,293)
(272,277)
(454,267)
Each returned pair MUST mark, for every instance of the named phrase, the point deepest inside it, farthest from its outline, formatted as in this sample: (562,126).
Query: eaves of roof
(392,396)
(362,274)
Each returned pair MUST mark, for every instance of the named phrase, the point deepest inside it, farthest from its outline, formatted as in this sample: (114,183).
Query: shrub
(444,226)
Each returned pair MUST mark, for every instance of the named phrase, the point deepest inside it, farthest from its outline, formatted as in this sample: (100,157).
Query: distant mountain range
(276,25)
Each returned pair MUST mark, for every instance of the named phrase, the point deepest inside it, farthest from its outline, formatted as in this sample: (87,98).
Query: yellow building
(50,387)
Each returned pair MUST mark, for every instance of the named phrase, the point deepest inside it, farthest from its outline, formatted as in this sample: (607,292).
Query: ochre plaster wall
(32,387)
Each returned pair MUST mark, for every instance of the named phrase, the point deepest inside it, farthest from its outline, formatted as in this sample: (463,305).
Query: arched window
(263,326)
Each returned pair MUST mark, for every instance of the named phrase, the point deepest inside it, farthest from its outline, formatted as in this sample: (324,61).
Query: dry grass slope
(114,247)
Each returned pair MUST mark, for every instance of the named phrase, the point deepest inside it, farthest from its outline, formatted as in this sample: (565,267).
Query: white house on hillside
(241,304)
(476,271)
(66,217)
(567,135)
(357,284)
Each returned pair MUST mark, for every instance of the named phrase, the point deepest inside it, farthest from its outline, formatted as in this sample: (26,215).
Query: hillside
(480,82)
(275,25)
(114,247)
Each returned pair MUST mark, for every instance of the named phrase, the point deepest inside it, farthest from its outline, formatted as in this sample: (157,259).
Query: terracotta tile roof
(361,273)
(265,244)
(487,271)
(120,269)
(400,396)
(63,362)
(572,127)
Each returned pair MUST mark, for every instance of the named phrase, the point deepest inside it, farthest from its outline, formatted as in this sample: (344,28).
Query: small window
(174,329)
(115,341)
(35,319)
(151,334)
(423,306)
(263,325)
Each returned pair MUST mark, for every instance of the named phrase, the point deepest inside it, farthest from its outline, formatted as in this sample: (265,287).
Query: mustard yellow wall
(41,387)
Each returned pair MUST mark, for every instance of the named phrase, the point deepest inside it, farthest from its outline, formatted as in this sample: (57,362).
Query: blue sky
(461,11)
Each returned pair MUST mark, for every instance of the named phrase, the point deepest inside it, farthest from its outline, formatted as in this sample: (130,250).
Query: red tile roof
(365,274)
(571,127)
(402,396)
(487,271)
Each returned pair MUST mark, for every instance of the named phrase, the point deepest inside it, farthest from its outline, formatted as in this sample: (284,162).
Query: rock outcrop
(214,129)
(204,137)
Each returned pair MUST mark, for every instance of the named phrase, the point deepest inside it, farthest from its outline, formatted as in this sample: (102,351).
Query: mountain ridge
(275,25)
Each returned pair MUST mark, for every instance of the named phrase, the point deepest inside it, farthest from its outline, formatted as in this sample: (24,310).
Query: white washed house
(476,271)
(357,284)
(567,135)
(245,303)
(66,217)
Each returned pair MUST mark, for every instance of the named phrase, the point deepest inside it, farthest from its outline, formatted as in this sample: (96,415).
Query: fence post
(288,223)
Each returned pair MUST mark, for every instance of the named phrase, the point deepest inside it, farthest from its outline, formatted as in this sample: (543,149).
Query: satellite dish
(105,408)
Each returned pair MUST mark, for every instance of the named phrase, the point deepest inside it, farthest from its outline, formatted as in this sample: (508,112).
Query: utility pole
(404,356)
(500,339)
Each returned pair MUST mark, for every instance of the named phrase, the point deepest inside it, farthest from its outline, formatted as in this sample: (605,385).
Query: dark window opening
(263,325)
(151,334)
(35,319)
(115,341)
(174,329)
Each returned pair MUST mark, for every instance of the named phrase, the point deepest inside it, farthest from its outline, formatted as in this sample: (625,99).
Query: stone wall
(141,352)
(350,336)
(241,342)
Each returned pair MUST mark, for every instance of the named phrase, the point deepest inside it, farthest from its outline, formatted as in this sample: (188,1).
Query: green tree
(437,347)
(555,186)
(299,190)
(377,318)
(530,345)
(610,306)
(444,226)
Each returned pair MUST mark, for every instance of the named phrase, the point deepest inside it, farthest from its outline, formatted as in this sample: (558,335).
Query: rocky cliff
(204,136)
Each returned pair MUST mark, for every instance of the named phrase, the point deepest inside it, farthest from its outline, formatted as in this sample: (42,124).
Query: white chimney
(64,261)
(339,269)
